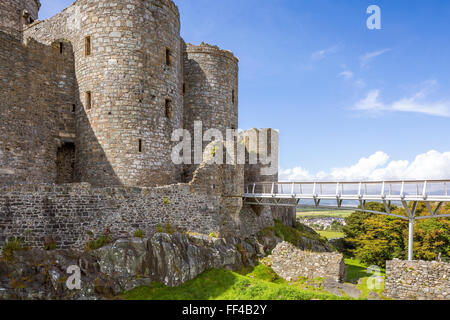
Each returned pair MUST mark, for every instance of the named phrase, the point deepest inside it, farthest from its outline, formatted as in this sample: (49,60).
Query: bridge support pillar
(411,240)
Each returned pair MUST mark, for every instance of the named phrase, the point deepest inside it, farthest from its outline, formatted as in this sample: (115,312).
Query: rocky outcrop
(292,263)
(171,259)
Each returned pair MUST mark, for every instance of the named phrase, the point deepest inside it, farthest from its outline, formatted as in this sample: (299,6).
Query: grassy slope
(331,234)
(260,283)
(293,235)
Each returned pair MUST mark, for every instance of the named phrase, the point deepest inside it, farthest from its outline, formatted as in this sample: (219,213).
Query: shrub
(49,244)
(167,229)
(139,234)
(101,241)
(13,244)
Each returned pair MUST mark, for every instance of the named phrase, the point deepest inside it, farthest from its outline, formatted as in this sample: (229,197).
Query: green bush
(166,229)
(49,244)
(139,234)
(98,243)
(13,244)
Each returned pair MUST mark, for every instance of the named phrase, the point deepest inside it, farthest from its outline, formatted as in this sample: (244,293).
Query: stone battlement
(210,49)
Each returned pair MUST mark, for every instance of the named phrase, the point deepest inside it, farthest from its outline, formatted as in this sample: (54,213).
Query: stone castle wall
(135,79)
(14,14)
(417,280)
(74,214)
(37,82)
(70,213)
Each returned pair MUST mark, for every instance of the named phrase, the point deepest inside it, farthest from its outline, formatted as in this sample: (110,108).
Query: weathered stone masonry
(88,101)
(36,116)
(417,280)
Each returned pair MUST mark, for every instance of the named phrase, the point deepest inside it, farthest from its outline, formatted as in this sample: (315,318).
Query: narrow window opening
(169,112)
(140,145)
(168,57)
(87,46)
(184,88)
(61,47)
(88,100)
(73,108)
(232,96)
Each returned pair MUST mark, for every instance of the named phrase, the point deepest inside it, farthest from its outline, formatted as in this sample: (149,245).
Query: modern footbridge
(355,196)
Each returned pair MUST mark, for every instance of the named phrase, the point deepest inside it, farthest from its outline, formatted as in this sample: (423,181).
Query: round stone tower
(210,87)
(210,92)
(129,71)
(14,14)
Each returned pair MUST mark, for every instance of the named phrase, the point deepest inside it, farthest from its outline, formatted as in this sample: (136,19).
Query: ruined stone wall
(262,143)
(417,280)
(292,264)
(36,81)
(14,14)
(134,76)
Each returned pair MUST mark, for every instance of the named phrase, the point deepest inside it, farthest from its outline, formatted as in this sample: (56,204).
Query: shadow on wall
(87,153)
(41,139)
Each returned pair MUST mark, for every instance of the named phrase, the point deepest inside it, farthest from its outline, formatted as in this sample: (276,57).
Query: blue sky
(349,102)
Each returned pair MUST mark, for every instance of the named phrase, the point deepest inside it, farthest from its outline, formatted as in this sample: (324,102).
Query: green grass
(294,234)
(356,270)
(321,213)
(331,234)
(259,283)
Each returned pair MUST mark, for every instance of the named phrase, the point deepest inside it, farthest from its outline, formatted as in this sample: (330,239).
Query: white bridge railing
(355,195)
(434,190)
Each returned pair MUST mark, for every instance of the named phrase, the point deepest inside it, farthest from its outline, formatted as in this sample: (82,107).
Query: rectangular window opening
(87,46)
(184,88)
(61,47)
(169,112)
(232,96)
(140,145)
(88,100)
(168,57)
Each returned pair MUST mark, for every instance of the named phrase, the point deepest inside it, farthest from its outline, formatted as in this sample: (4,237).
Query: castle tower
(14,14)
(129,75)
(210,87)
(128,66)
(210,91)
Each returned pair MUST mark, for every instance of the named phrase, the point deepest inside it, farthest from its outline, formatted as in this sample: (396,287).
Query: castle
(96,91)
(89,100)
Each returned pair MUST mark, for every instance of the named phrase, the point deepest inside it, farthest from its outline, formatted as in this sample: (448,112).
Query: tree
(377,238)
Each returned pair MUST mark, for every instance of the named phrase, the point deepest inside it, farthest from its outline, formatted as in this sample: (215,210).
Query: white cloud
(416,103)
(366,58)
(377,167)
(347,74)
(322,54)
